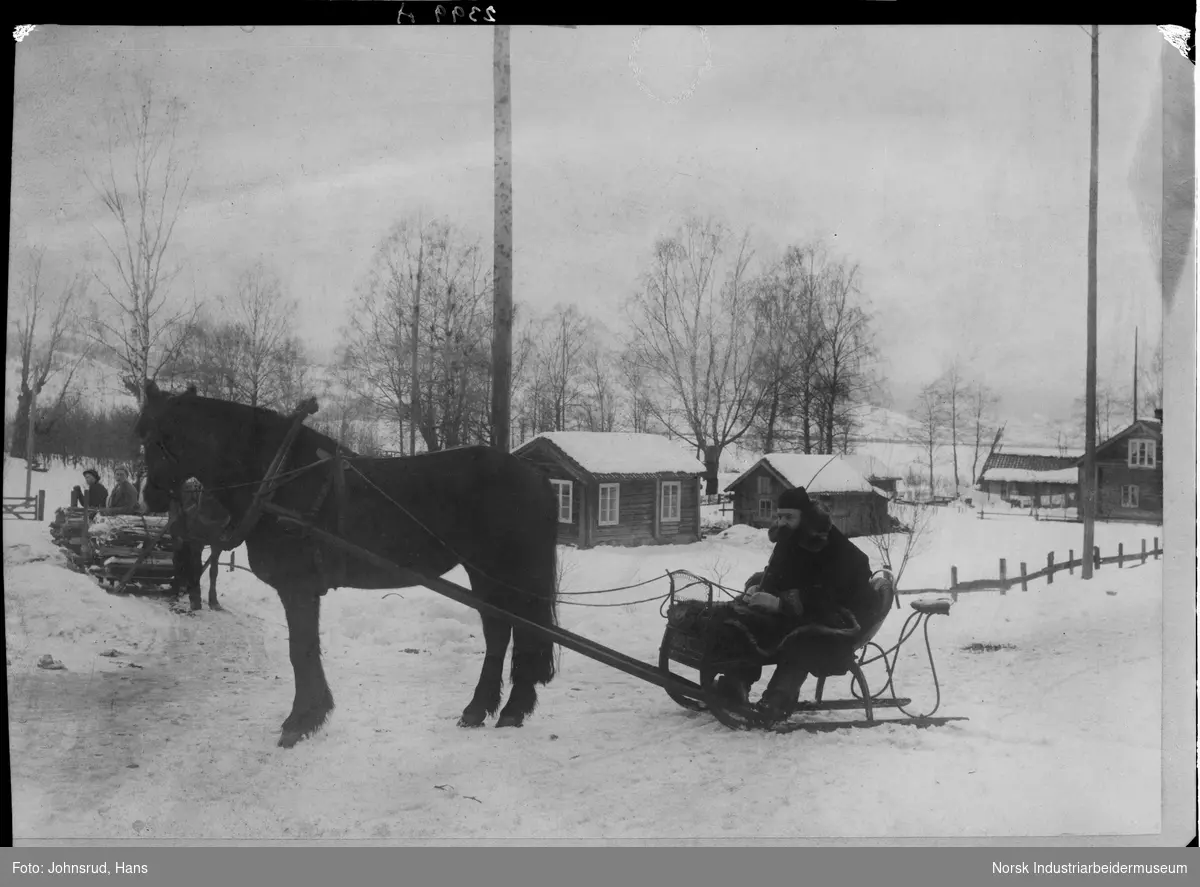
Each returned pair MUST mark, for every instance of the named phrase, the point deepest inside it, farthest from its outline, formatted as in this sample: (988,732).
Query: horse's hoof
(510,721)
(213,605)
(289,738)
(471,720)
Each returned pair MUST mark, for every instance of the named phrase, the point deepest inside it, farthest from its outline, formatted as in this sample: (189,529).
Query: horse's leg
(195,566)
(486,700)
(313,701)
(527,671)
(212,580)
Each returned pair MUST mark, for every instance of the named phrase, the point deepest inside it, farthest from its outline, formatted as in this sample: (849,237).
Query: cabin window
(764,486)
(562,489)
(610,500)
(1129,496)
(765,508)
(670,501)
(1143,453)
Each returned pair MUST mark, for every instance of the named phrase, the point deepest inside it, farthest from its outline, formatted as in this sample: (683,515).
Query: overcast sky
(950,164)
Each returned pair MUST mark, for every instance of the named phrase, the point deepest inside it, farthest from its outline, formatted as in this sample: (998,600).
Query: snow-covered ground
(174,738)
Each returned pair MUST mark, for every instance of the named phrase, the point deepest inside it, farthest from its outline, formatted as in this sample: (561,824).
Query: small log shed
(620,488)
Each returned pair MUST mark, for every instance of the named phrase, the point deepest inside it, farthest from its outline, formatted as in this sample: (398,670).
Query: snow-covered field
(174,738)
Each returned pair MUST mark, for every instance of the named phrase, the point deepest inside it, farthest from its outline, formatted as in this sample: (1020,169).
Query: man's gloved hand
(760,600)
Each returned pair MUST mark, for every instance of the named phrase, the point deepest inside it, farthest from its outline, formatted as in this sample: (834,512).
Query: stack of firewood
(112,543)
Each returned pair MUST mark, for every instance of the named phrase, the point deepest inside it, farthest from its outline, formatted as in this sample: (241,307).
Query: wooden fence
(1004,582)
(26,507)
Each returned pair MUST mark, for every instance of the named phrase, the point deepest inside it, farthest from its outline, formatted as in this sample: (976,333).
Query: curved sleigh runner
(704,634)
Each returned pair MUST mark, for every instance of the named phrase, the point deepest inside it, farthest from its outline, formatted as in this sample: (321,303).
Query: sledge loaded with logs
(722,637)
(130,552)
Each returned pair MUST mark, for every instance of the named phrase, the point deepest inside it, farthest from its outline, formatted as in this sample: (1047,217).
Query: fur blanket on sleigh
(737,631)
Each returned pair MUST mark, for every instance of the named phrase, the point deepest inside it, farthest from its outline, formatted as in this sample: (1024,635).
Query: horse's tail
(540,656)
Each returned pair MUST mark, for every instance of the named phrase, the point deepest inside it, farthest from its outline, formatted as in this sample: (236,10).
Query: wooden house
(618,488)
(856,507)
(1129,473)
(1043,479)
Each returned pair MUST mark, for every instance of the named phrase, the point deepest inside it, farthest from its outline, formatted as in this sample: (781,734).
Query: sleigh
(718,637)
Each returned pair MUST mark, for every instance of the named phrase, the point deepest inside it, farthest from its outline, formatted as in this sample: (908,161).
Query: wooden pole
(1089,453)
(1050,568)
(1120,555)
(1071,561)
(1135,371)
(954,583)
(1024,581)
(502,233)
(1143,551)
(414,397)
(1096,556)
(1156,548)
(41,516)
(1003,576)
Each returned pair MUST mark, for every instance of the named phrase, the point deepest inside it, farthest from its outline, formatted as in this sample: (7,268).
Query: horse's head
(166,439)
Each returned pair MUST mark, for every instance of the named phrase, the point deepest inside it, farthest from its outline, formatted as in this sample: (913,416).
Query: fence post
(1120,555)
(1050,568)
(1071,561)
(232,560)
(1096,557)
(1024,581)
(41,514)
(1003,576)
(1156,548)
(954,583)
(1143,551)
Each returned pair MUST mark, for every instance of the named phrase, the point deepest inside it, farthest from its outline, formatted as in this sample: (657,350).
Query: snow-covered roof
(1026,475)
(623,452)
(817,474)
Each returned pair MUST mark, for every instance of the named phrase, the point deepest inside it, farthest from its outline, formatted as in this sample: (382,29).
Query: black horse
(475,506)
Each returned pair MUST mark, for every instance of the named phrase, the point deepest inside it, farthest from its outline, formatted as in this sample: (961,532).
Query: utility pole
(1135,371)
(414,398)
(502,257)
(1089,452)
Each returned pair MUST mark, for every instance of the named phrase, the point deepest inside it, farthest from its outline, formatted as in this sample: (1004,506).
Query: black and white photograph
(511,434)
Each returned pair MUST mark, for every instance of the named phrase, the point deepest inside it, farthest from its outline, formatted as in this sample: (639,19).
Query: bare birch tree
(693,331)
(143,188)
(981,403)
(952,387)
(43,332)
(929,416)
(845,354)
(262,318)
(435,269)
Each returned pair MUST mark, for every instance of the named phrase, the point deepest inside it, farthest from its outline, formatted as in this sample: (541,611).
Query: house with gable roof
(1129,473)
(856,507)
(619,488)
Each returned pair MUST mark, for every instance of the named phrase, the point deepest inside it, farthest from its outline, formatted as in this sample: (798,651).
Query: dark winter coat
(124,498)
(95,496)
(837,576)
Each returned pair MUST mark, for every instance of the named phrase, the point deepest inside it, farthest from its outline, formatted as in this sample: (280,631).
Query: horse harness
(333,574)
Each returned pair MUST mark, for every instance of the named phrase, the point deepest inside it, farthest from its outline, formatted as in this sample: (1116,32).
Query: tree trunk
(712,467)
(772,417)
(21,425)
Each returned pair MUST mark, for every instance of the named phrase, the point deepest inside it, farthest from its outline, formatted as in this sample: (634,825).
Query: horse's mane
(246,414)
